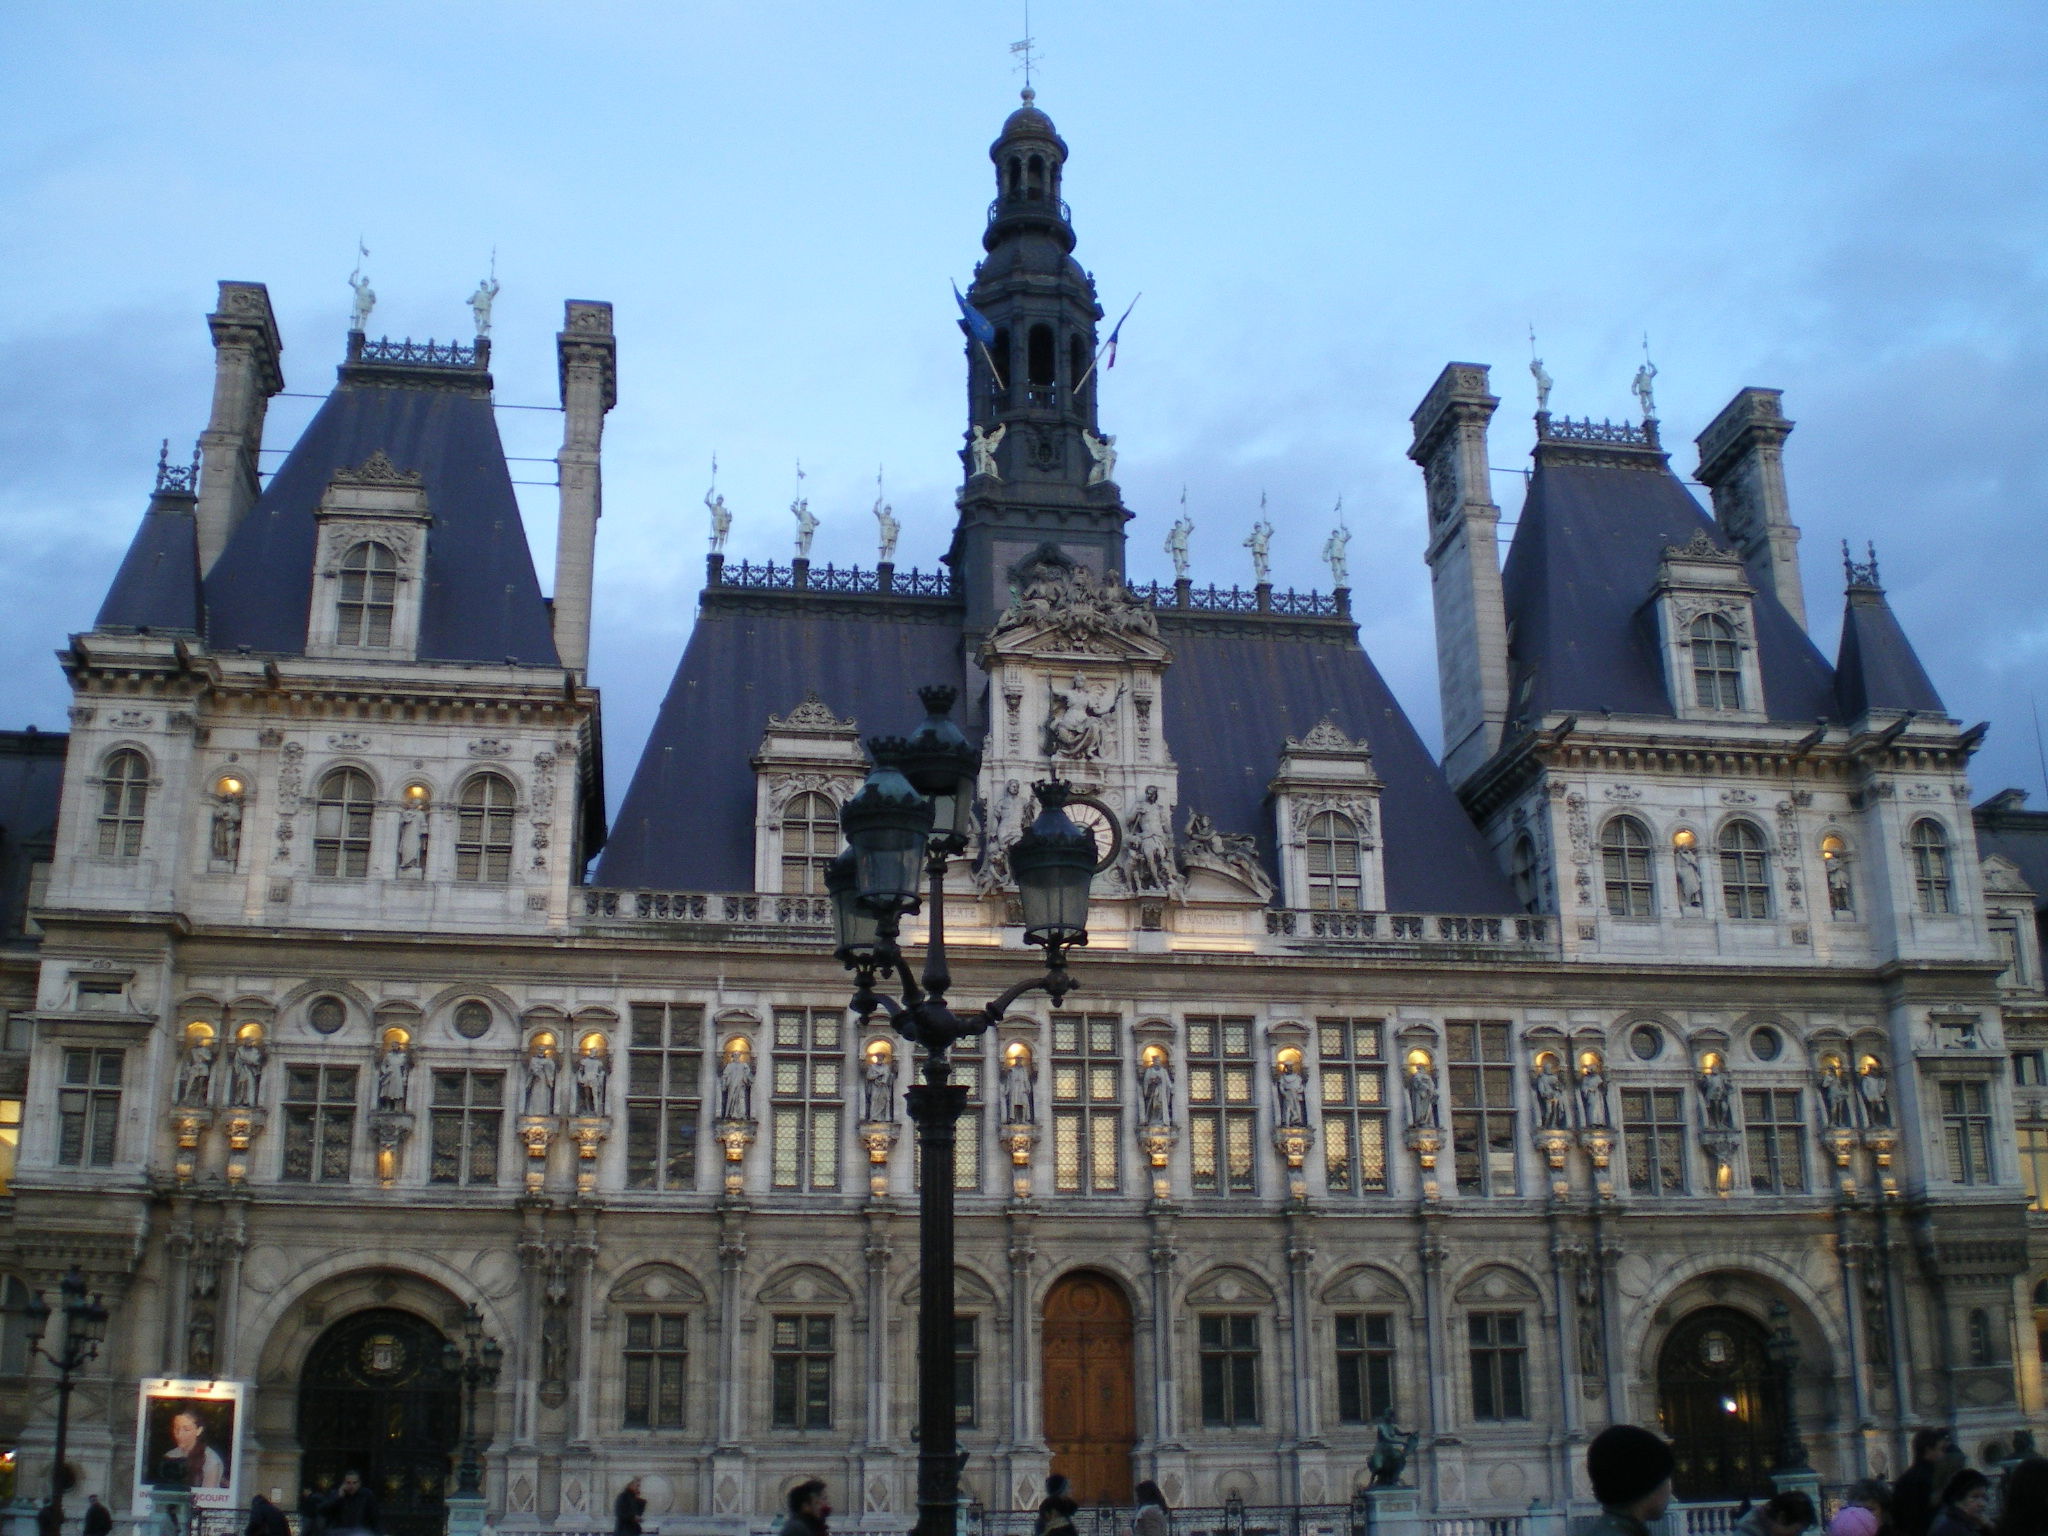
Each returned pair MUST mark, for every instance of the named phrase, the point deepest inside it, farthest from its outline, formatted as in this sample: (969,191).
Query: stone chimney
(590,387)
(245,376)
(1742,461)
(1464,565)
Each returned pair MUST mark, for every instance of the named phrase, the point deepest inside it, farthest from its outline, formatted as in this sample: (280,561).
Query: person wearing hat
(1630,1469)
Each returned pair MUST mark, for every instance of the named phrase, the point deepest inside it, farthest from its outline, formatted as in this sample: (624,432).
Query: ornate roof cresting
(178,479)
(1700,547)
(812,714)
(1861,573)
(1325,736)
(377,469)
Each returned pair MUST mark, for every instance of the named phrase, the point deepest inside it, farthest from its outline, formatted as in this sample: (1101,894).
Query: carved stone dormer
(1326,819)
(369,563)
(1706,628)
(808,763)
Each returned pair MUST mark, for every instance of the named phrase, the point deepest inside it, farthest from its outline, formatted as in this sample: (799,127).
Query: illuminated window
(124,797)
(1087,1090)
(341,824)
(2033,1149)
(10,1141)
(810,841)
(1221,1120)
(483,830)
(1353,1074)
(809,1098)
(1716,663)
(1625,865)
(368,596)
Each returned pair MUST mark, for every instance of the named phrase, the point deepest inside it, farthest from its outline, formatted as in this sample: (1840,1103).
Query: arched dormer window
(1745,872)
(810,841)
(483,830)
(1336,863)
(124,798)
(1522,870)
(1625,868)
(1933,880)
(1716,663)
(342,819)
(368,598)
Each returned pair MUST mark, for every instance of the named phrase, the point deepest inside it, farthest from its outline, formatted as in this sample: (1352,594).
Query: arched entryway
(1718,1397)
(1091,1420)
(374,1397)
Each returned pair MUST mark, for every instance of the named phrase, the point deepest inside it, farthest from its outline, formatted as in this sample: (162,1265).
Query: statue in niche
(1291,1089)
(1018,1089)
(199,1344)
(227,830)
(1155,1092)
(394,1067)
(736,1087)
(1840,901)
(983,447)
(1103,451)
(412,839)
(878,1088)
(1078,726)
(1177,541)
(1148,859)
(721,519)
(1005,825)
(195,1073)
(480,305)
(554,1346)
(1717,1099)
(245,1079)
(1691,885)
(541,1068)
(593,1073)
(1592,1096)
(1553,1111)
(1836,1099)
(1421,1086)
(1875,1088)
(806,526)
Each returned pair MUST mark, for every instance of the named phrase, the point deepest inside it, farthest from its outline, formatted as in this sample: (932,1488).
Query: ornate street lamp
(1783,1350)
(475,1366)
(913,810)
(85,1325)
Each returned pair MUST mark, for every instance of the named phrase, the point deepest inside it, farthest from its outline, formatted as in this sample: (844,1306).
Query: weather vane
(1026,50)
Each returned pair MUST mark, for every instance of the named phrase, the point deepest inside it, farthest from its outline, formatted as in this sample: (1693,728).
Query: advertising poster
(188,1434)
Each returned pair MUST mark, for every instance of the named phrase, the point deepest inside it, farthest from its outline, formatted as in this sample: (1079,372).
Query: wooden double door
(1091,1420)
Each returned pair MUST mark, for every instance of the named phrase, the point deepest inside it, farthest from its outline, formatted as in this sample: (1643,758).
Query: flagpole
(1105,347)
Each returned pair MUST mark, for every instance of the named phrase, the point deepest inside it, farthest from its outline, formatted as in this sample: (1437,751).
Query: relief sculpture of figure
(1148,859)
(1078,725)
(195,1075)
(1103,451)
(1234,854)
(1017,1094)
(983,447)
(736,1087)
(1005,824)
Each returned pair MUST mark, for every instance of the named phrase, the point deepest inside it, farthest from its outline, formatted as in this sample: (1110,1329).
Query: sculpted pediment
(1062,609)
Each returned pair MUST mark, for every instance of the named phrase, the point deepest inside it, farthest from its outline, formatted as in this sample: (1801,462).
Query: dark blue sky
(1321,203)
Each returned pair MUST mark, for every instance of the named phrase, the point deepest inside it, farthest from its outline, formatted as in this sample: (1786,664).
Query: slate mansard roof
(1235,691)
(482,602)
(1578,584)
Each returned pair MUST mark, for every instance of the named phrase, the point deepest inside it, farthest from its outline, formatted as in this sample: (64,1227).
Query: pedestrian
(1867,1511)
(1056,1509)
(1913,1493)
(99,1520)
(1782,1514)
(627,1509)
(266,1519)
(351,1507)
(1630,1469)
(1963,1505)
(1151,1518)
(808,1510)
(2024,1509)
(49,1519)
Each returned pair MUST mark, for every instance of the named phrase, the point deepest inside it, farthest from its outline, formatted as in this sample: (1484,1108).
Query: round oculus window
(1647,1041)
(472,1020)
(327,1014)
(1766,1044)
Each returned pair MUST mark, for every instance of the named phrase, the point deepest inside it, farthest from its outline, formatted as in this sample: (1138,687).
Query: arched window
(124,797)
(1745,871)
(483,830)
(341,824)
(1041,355)
(1625,865)
(1522,870)
(1834,860)
(1716,663)
(1933,883)
(810,841)
(1077,361)
(1035,178)
(369,595)
(1336,863)
(1016,175)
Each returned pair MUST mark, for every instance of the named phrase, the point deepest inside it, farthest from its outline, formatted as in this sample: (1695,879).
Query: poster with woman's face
(187,1438)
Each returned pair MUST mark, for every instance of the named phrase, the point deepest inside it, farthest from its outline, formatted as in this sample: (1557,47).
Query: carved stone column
(729,1493)
(1298,1361)
(1430,1251)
